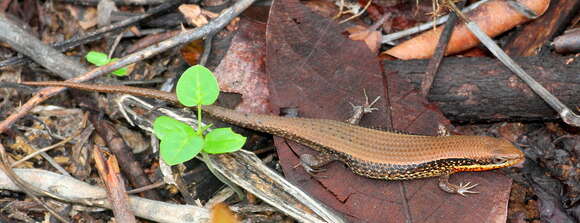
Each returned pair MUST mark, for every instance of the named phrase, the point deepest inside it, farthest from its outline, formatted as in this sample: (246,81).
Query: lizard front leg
(360,110)
(461,189)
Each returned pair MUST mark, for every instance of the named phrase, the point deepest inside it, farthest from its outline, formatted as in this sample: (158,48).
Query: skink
(367,152)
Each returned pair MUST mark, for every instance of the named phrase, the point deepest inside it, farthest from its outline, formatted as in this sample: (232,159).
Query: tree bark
(483,90)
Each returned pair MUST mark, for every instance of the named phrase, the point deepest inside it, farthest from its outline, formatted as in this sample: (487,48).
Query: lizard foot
(360,110)
(464,189)
(461,189)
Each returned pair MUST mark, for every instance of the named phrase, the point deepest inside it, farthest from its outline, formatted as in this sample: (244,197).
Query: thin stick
(110,174)
(207,43)
(435,61)
(146,188)
(117,2)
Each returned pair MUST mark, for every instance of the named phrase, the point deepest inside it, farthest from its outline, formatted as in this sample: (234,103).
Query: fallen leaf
(242,70)
(192,51)
(87,17)
(221,213)
(371,37)
(195,15)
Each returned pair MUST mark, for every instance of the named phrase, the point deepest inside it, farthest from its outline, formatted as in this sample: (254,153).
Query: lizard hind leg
(314,164)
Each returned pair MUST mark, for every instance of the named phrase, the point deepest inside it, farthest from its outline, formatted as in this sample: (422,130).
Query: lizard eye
(498,160)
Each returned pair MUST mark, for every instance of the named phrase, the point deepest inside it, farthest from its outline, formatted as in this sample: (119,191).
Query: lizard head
(504,154)
(495,153)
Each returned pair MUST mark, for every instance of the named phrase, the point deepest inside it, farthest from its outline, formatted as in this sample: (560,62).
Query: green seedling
(100,59)
(179,141)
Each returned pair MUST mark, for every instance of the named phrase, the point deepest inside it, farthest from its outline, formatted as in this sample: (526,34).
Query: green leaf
(179,142)
(119,72)
(223,140)
(197,86)
(97,58)
(175,150)
(165,127)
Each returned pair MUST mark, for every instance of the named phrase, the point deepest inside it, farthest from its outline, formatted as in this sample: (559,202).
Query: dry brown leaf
(233,24)
(62,160)
(195,15)
(135,30)
(221,213)
(370,37)
(87,18)
(242,70)
(133,139)
(192,51)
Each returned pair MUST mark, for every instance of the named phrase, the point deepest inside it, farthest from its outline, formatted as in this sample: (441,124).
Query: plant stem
(199,127)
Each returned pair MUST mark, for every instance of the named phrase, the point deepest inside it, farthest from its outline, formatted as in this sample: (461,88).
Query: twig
(150,40)
(439,53)
(569,42)
(111,176)
(20,87)
(206,49)
(185,37)
(117,2)
(380,21)
(146,188)
(565,113)
(115,44)
(142,82)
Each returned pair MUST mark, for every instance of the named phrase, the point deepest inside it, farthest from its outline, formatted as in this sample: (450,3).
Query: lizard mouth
(491,165)
(516,162)
(519,163)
